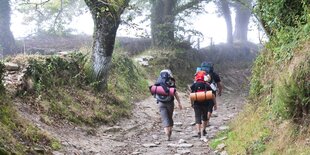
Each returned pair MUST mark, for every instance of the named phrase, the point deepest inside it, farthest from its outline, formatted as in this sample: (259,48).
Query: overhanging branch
(188,5)
(58,14)
(36,4)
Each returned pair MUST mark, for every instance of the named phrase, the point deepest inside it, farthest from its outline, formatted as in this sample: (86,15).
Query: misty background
(210,23)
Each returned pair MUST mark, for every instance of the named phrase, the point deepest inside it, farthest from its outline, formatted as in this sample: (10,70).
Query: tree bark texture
(7,42)
(243,15)
(224,6)
(106,18)
(162,22)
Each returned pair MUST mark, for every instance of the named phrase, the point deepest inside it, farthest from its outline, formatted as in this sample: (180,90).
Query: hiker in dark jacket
(215,83)
(201,107)
(166,104)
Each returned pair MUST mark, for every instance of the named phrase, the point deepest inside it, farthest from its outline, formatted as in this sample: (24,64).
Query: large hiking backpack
(208,68)
(165,80)
(200,76)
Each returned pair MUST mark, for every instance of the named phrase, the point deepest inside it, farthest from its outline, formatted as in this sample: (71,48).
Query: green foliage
(279,90)
(126,78)
(292,98)
(257,146)
(65,89)
(56,71)
(17,136)
(111,9)
(287,23)
(220,137)
(56,145)
(249,133)
(282,13)
(285,41)
(257,74)
(288,93)
(79,106)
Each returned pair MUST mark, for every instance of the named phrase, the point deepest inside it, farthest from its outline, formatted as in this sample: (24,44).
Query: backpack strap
(162,81)
(165,87)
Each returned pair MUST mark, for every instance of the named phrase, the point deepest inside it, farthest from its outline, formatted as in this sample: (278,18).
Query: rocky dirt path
(143,133)
(152,140)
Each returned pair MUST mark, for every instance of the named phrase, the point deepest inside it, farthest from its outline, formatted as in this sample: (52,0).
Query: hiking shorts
(210,105)
(200,112)
(166,113)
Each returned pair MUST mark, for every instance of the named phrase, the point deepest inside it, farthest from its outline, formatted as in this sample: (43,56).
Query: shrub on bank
(1,78)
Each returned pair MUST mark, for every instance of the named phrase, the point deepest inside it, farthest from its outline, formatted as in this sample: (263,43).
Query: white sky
(209,24)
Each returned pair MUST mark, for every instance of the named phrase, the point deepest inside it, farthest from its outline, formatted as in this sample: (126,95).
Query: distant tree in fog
(243,14)
(165,14)
(224,9)
(7,42)
(50,16)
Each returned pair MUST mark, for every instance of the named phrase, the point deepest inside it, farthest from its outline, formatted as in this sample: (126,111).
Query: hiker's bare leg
(204,124)
(210,113)
(215,103)
(168,131)
(198,126)
(199,130)
(209,116)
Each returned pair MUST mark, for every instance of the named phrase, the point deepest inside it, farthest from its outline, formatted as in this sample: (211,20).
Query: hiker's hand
(180,106)
(215,107)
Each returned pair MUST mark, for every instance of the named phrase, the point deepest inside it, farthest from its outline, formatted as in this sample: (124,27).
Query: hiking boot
(199,135)
(204,132)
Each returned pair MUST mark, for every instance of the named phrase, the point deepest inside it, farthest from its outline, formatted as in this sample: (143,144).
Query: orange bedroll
(201,96)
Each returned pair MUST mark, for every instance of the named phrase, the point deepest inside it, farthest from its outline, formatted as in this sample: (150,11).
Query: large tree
(243,14)
(225,11)
(162,22)
(7,42)
(106,15)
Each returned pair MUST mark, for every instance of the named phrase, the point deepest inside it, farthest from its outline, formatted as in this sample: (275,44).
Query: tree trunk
(243,15)
(226,13)
(106,18)
(162,22)
(7,42)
